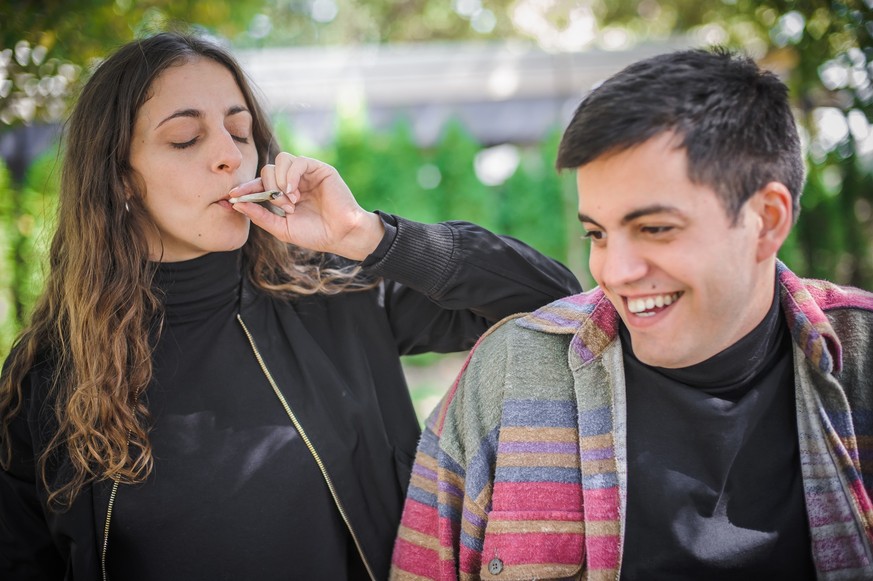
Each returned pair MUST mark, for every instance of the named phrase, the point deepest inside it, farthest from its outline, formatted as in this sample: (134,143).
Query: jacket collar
(593,321)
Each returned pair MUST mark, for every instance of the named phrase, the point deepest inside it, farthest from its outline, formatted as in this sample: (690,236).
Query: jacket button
(495,566)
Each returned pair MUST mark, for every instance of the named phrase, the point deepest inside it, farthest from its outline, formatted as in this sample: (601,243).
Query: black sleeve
(27,550)
(446,283)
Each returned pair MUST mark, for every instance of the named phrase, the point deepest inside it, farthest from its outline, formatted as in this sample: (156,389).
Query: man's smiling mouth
(648,306)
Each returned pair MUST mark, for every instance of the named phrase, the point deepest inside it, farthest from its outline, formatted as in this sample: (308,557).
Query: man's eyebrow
(639,213)
(648,210)
(196,114)
(587,218)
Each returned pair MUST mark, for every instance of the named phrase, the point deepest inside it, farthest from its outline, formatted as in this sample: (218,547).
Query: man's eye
(656,229)
(593,235)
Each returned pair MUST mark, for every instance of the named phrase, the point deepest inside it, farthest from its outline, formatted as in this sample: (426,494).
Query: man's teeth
(647,304)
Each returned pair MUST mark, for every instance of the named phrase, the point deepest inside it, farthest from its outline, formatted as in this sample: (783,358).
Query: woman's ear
(129,187)
(773,206)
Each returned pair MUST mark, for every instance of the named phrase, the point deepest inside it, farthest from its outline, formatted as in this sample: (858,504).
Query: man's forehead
(697,201)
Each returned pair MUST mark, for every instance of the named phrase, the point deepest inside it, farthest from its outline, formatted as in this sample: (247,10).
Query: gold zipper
(106,527)
(115,482)
(309,445)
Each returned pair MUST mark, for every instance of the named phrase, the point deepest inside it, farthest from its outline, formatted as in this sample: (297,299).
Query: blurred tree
(395,186)
(44,47)
(823,49)
(44,44)
(460,194)
(303,22)
(9,323)
(533,202)
(26,214)
(824,52)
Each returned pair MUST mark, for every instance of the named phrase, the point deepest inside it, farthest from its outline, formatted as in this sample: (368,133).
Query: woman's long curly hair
(98,318)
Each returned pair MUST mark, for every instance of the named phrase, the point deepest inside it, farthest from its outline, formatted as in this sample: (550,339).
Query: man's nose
(622,264)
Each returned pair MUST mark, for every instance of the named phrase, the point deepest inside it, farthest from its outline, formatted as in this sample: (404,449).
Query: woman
(196,398)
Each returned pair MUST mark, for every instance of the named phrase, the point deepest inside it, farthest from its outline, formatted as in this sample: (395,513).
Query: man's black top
(714,481)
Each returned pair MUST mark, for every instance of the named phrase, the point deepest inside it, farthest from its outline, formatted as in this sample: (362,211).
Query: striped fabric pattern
(519,472)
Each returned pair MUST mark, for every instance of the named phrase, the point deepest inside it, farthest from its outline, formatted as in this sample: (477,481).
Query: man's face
(685,280)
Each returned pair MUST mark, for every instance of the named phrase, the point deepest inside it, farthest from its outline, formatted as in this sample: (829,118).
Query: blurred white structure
(510,92)
(502,92)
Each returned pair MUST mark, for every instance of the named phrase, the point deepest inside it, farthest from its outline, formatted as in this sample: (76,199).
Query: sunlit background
(438,109)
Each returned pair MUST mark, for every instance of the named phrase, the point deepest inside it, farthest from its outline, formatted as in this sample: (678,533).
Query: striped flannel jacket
(521,470)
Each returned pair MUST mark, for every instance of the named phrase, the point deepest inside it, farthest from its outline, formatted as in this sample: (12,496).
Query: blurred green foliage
(45,45)
(27,213)
(822,48)
(385,170)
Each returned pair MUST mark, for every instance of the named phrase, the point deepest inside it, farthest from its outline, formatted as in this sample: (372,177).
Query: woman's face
(192,143)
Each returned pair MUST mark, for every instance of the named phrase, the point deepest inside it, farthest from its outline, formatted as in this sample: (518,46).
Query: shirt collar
(593,321)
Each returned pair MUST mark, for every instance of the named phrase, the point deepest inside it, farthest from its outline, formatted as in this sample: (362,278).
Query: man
(703,413)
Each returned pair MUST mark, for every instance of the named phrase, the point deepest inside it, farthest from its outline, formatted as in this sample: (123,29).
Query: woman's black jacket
(443,286)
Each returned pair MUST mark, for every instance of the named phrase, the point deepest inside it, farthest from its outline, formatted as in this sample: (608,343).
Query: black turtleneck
(235,493)
(714,481)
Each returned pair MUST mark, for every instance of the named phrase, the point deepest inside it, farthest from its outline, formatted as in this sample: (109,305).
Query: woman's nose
(228,156)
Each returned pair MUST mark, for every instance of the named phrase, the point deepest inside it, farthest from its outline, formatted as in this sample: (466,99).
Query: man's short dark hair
(732,118)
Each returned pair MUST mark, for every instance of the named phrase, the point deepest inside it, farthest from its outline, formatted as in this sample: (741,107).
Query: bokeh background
(446,109)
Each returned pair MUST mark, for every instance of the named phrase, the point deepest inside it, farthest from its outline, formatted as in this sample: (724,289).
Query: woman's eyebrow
(181,113)
(196,113)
